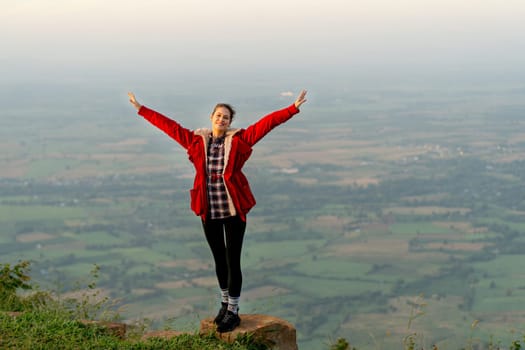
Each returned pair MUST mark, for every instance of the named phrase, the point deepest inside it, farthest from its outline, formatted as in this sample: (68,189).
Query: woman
(221,195)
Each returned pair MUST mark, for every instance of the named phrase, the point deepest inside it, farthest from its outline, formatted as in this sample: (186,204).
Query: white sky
(130,37)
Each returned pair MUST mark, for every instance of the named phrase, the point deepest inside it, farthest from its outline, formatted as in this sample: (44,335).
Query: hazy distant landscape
(381,212)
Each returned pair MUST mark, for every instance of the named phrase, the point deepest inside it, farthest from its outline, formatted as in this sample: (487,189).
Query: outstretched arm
(258,130)
(173,129)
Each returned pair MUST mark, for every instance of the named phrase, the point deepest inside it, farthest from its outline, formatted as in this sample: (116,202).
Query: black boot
(229,322)
(221,314)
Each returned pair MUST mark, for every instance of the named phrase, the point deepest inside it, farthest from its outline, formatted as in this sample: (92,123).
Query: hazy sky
(55,39)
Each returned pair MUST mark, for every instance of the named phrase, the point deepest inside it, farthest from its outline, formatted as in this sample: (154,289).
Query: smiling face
(221,119)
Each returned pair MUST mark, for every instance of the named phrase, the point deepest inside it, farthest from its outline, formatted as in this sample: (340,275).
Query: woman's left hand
(300,99)
(134,101)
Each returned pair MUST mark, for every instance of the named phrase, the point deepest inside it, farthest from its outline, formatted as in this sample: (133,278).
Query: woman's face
(221,119)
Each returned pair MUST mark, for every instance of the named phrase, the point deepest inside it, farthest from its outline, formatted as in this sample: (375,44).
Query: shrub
(12,279)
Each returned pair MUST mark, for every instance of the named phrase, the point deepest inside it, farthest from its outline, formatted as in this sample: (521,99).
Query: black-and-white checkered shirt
(217,197)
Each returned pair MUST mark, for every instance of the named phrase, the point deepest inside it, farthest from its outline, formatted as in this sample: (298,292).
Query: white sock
(233,304)
(224,296)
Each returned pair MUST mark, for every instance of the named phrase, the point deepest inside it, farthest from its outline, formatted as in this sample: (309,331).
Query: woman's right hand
(133,101)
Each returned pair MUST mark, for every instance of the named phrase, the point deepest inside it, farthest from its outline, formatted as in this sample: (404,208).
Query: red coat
(238,148)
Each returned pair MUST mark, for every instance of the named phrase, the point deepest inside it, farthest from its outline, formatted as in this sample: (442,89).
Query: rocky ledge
(278,334)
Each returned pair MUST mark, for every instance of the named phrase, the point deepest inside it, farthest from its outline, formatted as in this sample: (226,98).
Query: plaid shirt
(217,197)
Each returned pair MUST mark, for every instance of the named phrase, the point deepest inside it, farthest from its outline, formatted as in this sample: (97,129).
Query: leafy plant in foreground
(416,311)
(13,278)
(89,302)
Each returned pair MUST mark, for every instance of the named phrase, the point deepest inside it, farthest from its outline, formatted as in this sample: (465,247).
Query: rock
(276,333)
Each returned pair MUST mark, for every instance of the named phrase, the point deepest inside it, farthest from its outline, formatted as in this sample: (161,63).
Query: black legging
(225,238)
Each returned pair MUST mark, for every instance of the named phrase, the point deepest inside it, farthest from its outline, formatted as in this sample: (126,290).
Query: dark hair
(227,106)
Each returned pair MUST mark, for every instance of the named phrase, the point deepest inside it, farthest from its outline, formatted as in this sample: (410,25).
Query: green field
(393,201)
